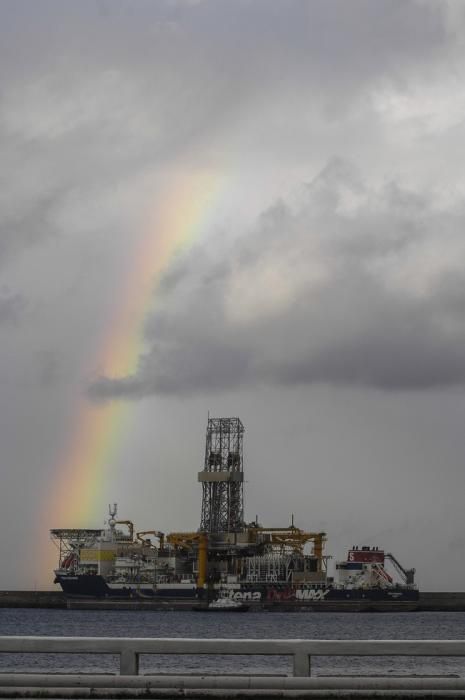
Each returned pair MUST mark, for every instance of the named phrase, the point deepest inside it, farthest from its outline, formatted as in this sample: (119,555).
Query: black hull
(203,608)
(88,586)
(269,596)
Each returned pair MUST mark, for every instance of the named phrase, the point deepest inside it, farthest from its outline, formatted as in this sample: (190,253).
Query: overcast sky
(323,301)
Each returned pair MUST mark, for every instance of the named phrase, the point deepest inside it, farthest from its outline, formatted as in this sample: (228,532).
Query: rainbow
(183,211)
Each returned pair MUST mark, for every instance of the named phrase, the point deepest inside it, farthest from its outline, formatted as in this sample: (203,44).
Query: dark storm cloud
(354,285)
(400,345)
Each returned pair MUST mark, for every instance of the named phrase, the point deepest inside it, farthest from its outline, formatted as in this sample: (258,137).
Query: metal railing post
(128,662)
(302,664)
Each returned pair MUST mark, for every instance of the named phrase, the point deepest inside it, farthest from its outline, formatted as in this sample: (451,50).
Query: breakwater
(32,599)
(428,601)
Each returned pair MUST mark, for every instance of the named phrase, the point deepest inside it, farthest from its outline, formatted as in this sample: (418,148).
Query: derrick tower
(222,478)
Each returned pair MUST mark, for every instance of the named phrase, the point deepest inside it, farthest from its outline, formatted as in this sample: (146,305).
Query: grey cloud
(190,70)
(49,368)
(199,353)
(329,38)
(12,306)
(25,224)
(398,346)
(353,280)
(365,301)
(170,80)
(209,367)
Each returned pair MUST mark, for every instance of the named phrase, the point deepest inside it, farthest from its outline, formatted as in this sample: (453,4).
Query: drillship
(227,557)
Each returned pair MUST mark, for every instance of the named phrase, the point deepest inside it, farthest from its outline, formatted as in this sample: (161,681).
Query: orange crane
(290,538)
(186,540)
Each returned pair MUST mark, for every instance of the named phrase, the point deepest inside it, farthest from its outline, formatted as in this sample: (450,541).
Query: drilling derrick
(223,477)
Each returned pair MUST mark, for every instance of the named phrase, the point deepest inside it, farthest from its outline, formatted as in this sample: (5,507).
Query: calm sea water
(250,625)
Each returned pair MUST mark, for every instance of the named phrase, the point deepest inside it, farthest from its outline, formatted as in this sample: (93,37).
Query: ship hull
(268,596)
(95,586)
(207,609)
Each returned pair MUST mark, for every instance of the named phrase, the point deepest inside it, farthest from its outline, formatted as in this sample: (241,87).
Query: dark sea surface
(261,625)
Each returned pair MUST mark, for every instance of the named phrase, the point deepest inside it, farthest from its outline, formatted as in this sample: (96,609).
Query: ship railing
(301,651)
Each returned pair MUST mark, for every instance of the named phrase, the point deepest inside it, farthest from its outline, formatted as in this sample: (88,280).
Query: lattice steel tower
(223,477)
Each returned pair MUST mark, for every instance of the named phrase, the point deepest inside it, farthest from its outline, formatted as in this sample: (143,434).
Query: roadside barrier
(129,651)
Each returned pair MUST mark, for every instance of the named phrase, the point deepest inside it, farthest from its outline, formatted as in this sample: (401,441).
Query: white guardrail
(130,649)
